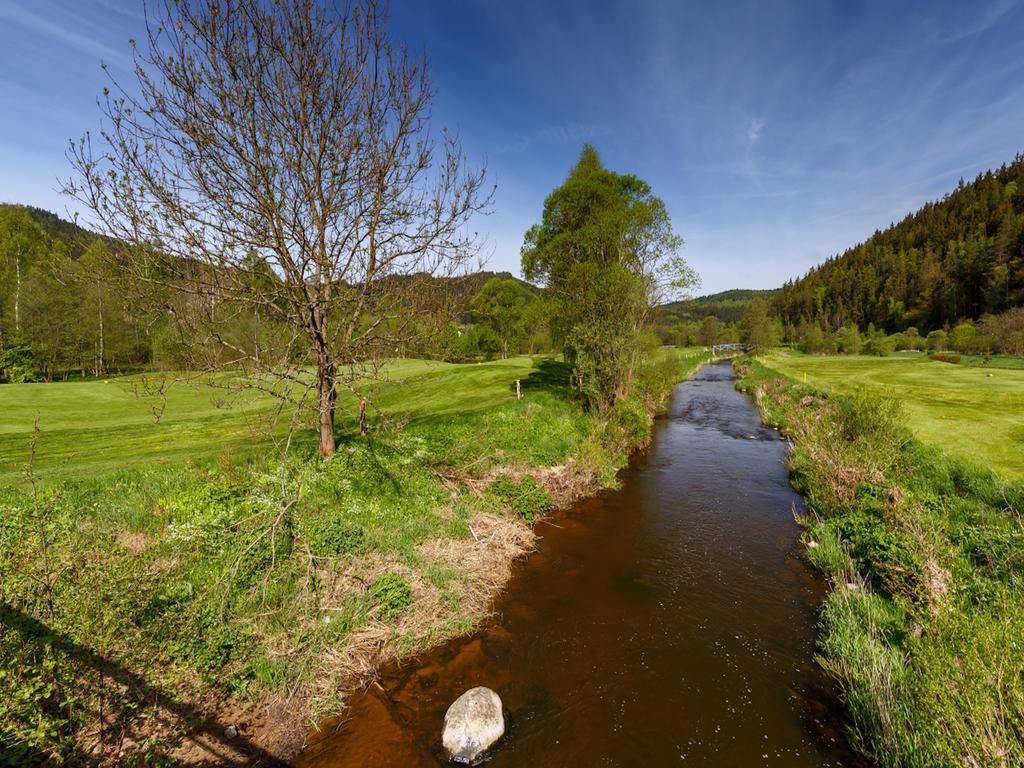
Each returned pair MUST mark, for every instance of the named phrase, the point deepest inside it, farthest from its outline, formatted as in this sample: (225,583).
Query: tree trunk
(17,294)
(326,397)
(101,362)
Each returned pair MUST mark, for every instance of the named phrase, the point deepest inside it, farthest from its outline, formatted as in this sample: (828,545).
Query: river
(669,622)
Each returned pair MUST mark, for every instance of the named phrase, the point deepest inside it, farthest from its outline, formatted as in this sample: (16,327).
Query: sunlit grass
(103,425)
(975,412)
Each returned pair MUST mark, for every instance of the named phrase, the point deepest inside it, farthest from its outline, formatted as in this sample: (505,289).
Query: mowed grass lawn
(94,427)
(977,412)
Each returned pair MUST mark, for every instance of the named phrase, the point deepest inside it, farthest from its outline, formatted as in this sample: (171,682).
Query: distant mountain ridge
(728,306)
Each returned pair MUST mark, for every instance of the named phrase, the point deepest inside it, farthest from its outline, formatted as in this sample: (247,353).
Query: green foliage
(501,305)
(937,340)
(330,535)
(964,338)
(526,498)
(391,594)
(758,328)
(605,251)
(924,558)
(959,258)
(726,307)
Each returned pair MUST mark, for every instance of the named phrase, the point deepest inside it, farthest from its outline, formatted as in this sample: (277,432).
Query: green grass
(969,411)
(925,554)
(156,547)
(95,427)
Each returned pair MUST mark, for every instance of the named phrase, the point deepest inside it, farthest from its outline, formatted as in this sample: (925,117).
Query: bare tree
(274,167)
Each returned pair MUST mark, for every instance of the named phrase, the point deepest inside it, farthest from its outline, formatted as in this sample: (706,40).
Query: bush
(391,594)
(526,498)
(945,358)
(964,338)
(937,341)
(879,346)
(330,535)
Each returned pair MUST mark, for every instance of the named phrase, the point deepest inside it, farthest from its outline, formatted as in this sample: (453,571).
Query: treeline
(727,306)
(957,259)
(60,309)
(992,334)
(65,312)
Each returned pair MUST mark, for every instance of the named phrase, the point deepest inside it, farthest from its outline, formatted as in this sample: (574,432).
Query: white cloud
(754,131)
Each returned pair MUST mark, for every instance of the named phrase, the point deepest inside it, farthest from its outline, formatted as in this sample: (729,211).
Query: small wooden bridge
(718,349)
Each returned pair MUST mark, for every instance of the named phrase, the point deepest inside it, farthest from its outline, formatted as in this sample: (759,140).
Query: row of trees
(60,307)
(64,311)
(959,258)
(992,334)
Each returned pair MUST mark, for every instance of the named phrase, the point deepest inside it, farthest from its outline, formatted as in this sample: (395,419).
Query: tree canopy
(606,253)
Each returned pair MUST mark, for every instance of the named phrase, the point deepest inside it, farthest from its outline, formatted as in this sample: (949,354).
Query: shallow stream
(670,622)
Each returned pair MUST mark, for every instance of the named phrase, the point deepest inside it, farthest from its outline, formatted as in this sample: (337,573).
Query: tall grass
(923,626)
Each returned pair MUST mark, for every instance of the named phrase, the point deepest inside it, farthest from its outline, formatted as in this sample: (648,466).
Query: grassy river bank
(924,624)
(206,607)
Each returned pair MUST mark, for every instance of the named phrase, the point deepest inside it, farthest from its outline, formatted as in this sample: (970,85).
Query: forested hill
(728,306)
(960,257)
(74,237)
(64,307)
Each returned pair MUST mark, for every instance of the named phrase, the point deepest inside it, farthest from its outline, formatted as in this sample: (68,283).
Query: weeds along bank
(924,625)
(140,607)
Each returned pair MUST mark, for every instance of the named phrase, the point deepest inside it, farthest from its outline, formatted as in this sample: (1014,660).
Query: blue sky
(778,133)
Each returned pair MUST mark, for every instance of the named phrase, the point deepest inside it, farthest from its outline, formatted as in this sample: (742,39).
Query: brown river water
(670,622)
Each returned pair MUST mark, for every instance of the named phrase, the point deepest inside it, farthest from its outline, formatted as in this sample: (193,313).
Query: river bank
(250,612)
(669,619)
(923,622)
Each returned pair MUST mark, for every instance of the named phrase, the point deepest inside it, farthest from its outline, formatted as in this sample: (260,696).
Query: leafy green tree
(757,327)
(964,337)
(848,340)
(707,336)
(937,340)
(501,305)
(22,244)
(606,253)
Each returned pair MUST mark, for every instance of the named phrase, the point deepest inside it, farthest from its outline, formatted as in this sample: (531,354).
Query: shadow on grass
(548,375)
(205,732)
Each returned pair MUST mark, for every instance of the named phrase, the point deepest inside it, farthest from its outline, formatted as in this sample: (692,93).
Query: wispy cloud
(66,34)
(754,131)
(987,19)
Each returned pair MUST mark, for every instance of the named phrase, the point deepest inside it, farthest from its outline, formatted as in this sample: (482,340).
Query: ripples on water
(667,623)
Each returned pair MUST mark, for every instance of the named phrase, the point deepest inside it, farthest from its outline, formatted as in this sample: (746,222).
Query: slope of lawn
(970,411)
(99,426)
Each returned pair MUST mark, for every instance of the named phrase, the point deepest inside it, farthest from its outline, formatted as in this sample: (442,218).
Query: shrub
(330,535)
(937,341)
(391,594)
(879,346)
(526,498)
(964,338)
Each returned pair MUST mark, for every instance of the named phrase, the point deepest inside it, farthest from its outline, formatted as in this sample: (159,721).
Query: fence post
(362,417)
(519,392)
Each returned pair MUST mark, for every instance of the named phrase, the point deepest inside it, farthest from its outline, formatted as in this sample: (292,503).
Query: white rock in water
(472,724)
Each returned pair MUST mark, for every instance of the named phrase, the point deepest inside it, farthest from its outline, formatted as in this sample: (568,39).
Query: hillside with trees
(728,306)
(65,309)
(957,259)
